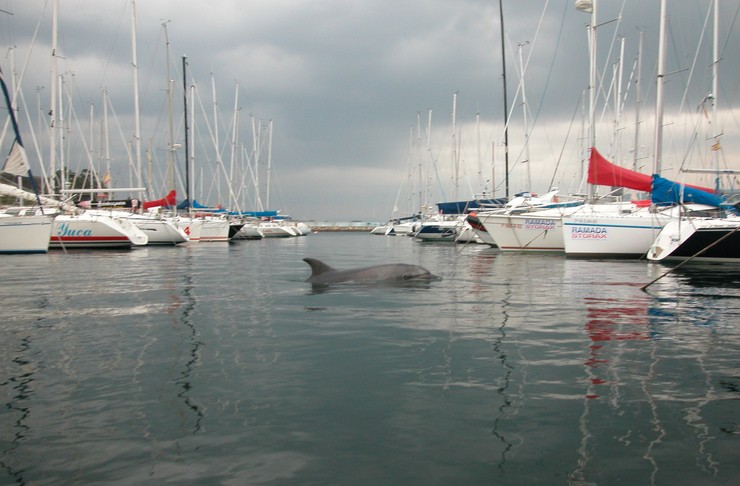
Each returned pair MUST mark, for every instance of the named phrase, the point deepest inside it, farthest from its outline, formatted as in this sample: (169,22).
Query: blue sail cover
(461,207)
(669,192)
(196,205)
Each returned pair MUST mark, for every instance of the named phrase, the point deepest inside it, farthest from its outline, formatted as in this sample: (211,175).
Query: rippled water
(218,364)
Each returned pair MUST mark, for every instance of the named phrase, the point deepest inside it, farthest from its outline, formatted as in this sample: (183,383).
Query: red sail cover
(601,172)
(168,200)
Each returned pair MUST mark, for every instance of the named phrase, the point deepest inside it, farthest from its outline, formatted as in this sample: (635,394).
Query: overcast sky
(343,83)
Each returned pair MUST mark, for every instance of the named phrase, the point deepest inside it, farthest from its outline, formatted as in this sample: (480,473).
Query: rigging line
(607,61)
(27,60)
(729,32)
(696,58)
(567,135)
(722,55)
(536,116)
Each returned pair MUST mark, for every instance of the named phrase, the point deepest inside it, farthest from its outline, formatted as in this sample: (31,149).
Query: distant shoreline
(354,226)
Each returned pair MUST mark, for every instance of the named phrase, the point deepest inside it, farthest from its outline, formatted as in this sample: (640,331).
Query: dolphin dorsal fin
(317,266)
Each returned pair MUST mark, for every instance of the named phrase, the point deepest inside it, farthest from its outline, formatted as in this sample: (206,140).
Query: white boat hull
(160,231)
(25,234)
(274,230)
(249,232)
(190,226)
(597,235)
(438,231)
(529,232)
(91,231)
(214,230)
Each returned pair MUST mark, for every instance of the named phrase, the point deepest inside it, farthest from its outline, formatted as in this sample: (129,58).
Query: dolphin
(323,274)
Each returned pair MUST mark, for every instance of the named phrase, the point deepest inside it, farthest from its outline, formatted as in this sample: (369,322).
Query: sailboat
(703,237)
(628,229)
(617,228)
(22,230)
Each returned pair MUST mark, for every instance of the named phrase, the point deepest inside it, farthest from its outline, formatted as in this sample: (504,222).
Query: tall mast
(658,136)
(185,117)
(506,106)
(455,158)
(715,69)
(269,163)
(137,114)
(170,110)
(589,6)
(526,121)
(53,101)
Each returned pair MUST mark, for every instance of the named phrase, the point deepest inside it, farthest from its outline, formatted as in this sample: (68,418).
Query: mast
(137,114)
(526,121)
(715,69)
(589,6)
(185,117)
(506,107)
(269,163)
(170,110)
(53,101)
(106,136)
(658,135)
(455,158)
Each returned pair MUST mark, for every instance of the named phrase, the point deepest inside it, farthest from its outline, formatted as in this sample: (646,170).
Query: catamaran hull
(681,240)
(25,234)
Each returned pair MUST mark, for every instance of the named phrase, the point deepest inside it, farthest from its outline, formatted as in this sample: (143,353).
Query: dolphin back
(323,274)
(317,268)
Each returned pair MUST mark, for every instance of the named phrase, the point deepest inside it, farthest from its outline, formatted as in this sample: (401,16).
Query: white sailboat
(621,229)
(88,230)
(21,232)
(596,231)
(529,223)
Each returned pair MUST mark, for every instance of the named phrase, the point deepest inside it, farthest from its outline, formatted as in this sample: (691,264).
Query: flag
(17,161)
(716,147)
(107,178)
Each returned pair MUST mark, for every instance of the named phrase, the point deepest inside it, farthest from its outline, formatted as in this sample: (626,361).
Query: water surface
(216,363)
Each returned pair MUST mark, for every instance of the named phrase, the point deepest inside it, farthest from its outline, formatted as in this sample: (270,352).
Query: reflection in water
(502,390)
(609,322)
(19,404)
(188,306)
